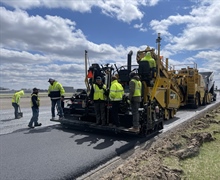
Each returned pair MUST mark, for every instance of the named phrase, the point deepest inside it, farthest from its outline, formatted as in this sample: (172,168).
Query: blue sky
(42,39)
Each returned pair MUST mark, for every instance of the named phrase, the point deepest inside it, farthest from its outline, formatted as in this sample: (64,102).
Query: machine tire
(171,113)
(196,102)
(168,115)
(214,98)
(204,102)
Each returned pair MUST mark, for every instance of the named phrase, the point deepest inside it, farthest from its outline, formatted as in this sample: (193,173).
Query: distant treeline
(67,89)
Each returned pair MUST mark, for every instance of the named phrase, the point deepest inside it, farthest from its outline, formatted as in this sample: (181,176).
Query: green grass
(172,162)
(206,165)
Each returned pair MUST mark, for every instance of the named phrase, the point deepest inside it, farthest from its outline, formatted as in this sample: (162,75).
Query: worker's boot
(134,129)
(60,118)
(103,123)
(98,123)
(38,124)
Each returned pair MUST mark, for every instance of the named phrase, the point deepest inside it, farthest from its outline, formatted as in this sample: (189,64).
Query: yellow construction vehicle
(193,88)
(164,91)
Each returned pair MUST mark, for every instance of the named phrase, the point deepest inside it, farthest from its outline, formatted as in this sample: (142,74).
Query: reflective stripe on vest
(116,91)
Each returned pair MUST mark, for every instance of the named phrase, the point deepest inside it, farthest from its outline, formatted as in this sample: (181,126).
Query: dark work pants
(100,112)
(35,115)
(15,105)
(114,112)
(135,113)
(57,102)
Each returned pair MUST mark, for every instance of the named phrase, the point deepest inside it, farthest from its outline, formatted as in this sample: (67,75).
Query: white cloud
(52,40)
(113,8)
(33,47)
(140,27)
(10,56)
(200,31)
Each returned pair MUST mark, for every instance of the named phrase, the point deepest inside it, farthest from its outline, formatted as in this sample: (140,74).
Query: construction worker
(134,97)
(115,95)
(97,94)
(35,104)
(56,93)
(147,67)
(16,103)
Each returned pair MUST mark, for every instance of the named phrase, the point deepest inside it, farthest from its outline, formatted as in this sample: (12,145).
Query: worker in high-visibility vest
(16,102)
(35,104)
(56,93)
(147,68)
(98,96)
(134,97)
(115,95)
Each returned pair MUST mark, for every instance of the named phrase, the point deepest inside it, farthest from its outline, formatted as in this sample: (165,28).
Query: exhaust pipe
(129,61)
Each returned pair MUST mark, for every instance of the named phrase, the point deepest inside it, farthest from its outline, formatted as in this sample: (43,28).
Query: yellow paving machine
(162,95)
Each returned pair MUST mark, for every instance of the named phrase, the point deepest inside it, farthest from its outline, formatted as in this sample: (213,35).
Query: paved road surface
(51,152)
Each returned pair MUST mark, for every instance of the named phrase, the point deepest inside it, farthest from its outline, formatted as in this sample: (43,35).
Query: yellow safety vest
(98,93)
(116,91)
(16,97)
(137,91)
(56,90)
(38,100)
(151,61)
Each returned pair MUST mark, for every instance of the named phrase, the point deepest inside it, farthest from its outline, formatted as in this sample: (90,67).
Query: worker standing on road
(35,104)
(115,95)
(56,93)
(16,102)
(134,96)
(97,94)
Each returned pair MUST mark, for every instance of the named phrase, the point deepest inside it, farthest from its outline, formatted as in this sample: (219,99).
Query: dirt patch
(180,145)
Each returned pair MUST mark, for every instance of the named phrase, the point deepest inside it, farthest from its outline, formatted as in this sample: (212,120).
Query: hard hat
(35,89)
(51,80)
(98,78)
(148,54)
(132,74)
(114,78)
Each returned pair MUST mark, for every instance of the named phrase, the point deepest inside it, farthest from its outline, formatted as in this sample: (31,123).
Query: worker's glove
(48,95)
(128,101)
(90,101)
(106,92)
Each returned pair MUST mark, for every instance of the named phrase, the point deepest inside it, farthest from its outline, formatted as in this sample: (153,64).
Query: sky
(42,39)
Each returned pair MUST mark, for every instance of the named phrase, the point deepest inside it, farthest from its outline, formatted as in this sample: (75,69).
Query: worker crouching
(16,103)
